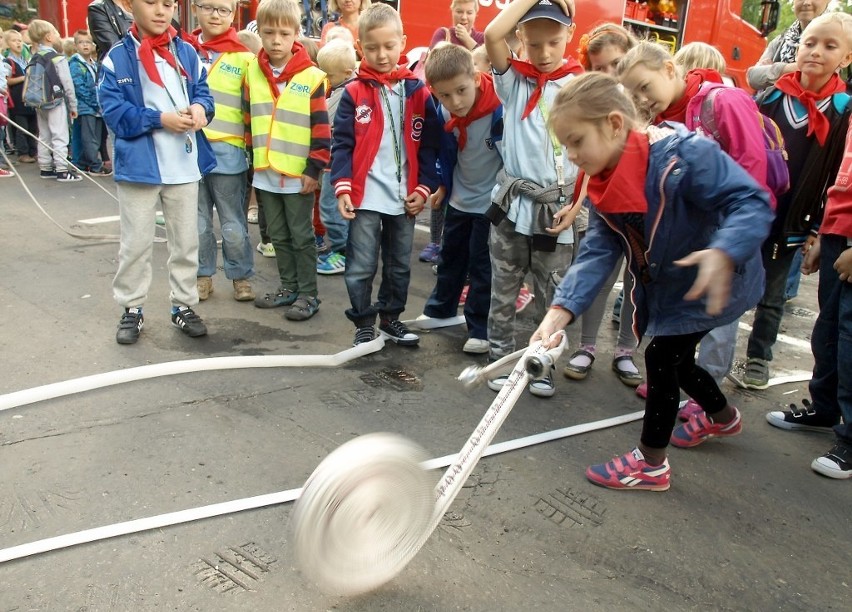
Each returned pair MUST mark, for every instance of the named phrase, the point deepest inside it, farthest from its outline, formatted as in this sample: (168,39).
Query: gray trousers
(53,129)
(512,257)
(137,204)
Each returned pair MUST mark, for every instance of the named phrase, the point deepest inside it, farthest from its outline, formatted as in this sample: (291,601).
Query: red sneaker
(699,428)
(690,408)
(524,299)
(631,472)
(464,293)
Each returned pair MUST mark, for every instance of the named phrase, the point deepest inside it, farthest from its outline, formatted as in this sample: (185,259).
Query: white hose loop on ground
(362,513)
(352,531)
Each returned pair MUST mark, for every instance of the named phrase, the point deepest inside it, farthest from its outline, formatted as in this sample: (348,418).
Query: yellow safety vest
(225,79)
(281,129)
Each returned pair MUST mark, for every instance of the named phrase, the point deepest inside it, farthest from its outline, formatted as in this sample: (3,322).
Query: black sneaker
(129,326)
(68,177)
(801,419)
(364,334)
(101,172)
(836,463)
(48,174)
(188,322)
(396,331)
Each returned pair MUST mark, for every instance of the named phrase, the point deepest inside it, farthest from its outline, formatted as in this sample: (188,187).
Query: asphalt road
(746,525)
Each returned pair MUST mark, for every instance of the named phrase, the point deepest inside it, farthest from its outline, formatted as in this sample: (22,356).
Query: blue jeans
(831,341)
(770,309)
(336,227)
(227,192)
(792,288)
(85,152)
(369,234)
(464,252)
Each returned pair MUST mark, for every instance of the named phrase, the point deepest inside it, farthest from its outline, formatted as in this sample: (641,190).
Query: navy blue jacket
(698,198)
(124,111)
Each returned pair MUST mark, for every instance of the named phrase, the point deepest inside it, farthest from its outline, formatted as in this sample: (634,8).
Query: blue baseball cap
(545,9)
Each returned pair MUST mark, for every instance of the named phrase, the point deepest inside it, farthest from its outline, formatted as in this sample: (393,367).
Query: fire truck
(672,23)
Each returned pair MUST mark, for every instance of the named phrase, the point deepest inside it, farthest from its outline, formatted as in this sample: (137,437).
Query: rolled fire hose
(370,506)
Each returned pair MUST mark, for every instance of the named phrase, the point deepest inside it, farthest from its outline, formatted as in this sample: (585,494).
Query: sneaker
(251,215)
(756,373)
(68,177)
(48,174)
(475,346)
(543,387)
(266,249)
(642,390)
(283,297)
(205,287)
(836,463)
(524,299)
(700,428)
(631,472)
(690,409)
(496,384)
(435,269)
(6,173)
(396,331)
(333,263)
(188,322)
(430,253)
(26,159)
(319,241)
(129,326)
(102,172)
(364,334)
(463,297)
(242,290)
(801,419)
(303,308)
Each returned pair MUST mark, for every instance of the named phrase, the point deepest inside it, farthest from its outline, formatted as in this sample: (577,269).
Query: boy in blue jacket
(87,129)
(157,113)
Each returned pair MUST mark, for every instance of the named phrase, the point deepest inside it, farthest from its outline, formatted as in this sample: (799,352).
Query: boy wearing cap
(531,211)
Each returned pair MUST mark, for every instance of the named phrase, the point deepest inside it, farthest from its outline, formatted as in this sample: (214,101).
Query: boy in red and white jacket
(831,342)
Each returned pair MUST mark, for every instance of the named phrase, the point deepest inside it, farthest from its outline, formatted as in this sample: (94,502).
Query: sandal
(579,372)
(303,308)
(628,377)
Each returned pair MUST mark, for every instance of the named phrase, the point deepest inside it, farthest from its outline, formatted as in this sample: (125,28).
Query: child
(600,50)
(337,60)
(20,113)
(470,159)
(683,248)
(698,55)
(226,60)
(290,133)
(383,170)
(656,82)
(831,342)
(533,190)
(53,118)
(88,125)
(154,97)
(5,70)
(811,108)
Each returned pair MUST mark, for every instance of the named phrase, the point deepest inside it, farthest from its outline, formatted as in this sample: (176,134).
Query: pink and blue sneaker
(700,428)
(631,472)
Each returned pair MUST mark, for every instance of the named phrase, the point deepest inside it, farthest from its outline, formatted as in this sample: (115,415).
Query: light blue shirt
(383,193)
(476,170)
(528,150)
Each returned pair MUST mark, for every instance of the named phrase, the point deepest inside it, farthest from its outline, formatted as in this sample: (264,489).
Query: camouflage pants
(512,257)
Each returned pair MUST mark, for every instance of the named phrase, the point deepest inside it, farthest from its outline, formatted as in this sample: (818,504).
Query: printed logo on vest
(363,114)
(416,127)
(300,88)
(235,70)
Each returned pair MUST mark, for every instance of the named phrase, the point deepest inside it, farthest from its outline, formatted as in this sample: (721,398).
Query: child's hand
(555,320)
(843,265)
(567,6)
(309,185)
(198,115)
(178,123)
(810,262)
(414,203)
(562,219)
(72,114)
(437,198)
(715,270)
(345,208)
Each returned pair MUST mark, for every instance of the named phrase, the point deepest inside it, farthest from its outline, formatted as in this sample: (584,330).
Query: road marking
(113,219)
(803,344)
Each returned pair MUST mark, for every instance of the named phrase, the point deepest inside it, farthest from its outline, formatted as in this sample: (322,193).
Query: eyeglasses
(206,9)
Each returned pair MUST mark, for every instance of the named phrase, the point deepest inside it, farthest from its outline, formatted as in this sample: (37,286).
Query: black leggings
(670,367)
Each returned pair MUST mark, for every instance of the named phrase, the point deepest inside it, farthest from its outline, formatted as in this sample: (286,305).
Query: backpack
(42,87)
(777,173)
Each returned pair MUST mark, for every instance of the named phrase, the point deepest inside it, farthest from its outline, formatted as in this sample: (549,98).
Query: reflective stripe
(224,127)
(293,118)
(289,148)
(227,99)
(258,141)
(262,109)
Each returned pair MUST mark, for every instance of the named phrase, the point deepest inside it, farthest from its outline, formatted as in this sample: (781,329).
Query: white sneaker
(475,346)
(266,249)
(496,384)
(543,387)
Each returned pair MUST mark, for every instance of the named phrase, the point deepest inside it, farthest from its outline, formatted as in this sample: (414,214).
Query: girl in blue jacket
(690,221)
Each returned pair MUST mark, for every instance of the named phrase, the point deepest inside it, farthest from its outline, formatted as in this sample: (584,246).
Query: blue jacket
(698,198)
(448,153)
(124,111)
(84,86)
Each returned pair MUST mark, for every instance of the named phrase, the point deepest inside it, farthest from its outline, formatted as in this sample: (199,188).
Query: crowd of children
(532,168)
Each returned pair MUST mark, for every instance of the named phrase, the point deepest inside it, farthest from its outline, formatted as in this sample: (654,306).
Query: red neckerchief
(149,45)
(818,123)
(694,78)
(399,73)
(486,103)
(226,42)
(622,189)
(294,66)
(571,66)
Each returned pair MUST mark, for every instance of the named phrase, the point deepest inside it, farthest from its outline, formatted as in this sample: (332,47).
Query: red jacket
(837,218)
